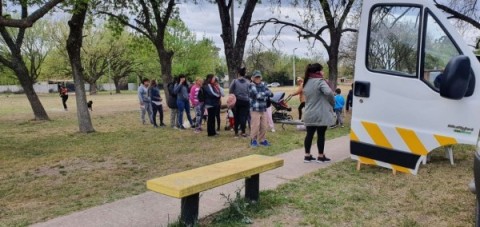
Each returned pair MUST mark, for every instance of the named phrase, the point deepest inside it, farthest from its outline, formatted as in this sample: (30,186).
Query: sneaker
(333,126)
(265,143)
(323,159)
(244,135)
(162,125)
(273,130)
(196,131)
(253,143)
(342,126)
(155,126)
(182,128)
(236,136)
(308,159)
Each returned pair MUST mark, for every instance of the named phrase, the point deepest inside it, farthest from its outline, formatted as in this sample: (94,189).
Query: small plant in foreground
(236,211)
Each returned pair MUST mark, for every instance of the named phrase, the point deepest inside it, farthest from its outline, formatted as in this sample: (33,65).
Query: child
(339,103)
(230,120)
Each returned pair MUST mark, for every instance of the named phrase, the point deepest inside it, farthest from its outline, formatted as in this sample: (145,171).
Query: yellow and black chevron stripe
(395,148)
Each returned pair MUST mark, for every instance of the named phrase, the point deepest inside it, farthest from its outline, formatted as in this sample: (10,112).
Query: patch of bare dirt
(285,216)
(73,165)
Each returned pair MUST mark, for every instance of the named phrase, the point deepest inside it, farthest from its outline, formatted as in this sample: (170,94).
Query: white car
(274,84)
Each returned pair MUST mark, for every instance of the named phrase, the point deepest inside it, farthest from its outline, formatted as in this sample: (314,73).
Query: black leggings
(156,109)
(64,101)
(211,121)
(242,110)
(217,117)
(300,110)
(320,138)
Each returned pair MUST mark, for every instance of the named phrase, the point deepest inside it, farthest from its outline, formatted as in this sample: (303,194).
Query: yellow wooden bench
(188,184)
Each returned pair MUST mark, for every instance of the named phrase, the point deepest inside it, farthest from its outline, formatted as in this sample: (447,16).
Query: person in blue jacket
(339,103)
(182,91)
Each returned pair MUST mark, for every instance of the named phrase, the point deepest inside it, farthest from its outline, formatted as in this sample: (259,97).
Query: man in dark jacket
(239,88)
(172,103)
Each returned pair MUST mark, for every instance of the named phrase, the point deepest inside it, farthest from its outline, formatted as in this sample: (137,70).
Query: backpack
(201,94)
(171,87)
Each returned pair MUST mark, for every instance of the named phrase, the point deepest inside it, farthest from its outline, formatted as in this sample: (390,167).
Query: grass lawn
(47,169)
(342,196)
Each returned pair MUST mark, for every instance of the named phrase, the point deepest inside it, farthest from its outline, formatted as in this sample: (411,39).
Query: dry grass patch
(342,196)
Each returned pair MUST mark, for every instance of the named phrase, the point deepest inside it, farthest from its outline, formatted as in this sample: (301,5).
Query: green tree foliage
(193,58)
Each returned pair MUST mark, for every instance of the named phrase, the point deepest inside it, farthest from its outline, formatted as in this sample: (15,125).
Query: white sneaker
(273,130)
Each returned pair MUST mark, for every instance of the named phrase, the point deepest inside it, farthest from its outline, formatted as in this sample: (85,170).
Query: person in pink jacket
(197,103)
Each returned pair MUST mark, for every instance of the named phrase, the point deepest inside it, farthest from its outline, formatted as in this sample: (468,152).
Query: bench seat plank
(193,181)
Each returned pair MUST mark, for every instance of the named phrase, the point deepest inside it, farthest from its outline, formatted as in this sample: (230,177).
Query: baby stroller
(281,109)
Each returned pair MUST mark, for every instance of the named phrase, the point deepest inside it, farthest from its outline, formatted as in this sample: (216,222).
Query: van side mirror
(454,81)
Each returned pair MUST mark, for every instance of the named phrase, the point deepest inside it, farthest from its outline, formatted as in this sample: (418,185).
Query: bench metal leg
(189,215)
(252,187)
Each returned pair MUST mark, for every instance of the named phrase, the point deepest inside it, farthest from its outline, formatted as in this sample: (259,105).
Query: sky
(204,20)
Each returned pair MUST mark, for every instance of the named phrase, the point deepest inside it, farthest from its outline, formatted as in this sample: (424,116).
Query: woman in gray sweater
(319,101)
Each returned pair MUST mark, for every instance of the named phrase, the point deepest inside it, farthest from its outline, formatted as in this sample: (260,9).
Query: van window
(439,49)
(394,39)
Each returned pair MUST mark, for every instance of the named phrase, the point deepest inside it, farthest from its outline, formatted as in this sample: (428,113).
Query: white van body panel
(404,118)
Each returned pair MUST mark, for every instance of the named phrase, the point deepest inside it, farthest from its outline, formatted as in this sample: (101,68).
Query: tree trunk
(93,88)
(116,82)
(21,72)
(234,49)
(74,45)
(166,68)
(17,65)
(333,54)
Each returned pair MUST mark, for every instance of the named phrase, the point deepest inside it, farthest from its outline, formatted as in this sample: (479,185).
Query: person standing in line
(172,103)
(145,102)
(212,102)
(64,95)
(239,88)
(197,98)
(319,102)
(301,96)
(339,103)
(154,94)
(349,104)
(183,103)
(259,93)
(218,111)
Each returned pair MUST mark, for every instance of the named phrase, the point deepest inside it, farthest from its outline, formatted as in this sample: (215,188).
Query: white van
(415,87)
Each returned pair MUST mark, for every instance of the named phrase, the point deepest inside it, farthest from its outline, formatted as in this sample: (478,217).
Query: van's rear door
(399,114)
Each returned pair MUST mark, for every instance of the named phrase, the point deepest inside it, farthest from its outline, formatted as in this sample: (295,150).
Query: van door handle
(361,89)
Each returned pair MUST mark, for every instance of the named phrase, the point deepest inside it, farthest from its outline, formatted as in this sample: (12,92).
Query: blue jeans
(183,105)
(147,109)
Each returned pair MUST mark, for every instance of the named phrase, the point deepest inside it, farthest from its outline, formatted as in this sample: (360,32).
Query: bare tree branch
(29,20)
(457,15)
(126,23)
(298,29)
